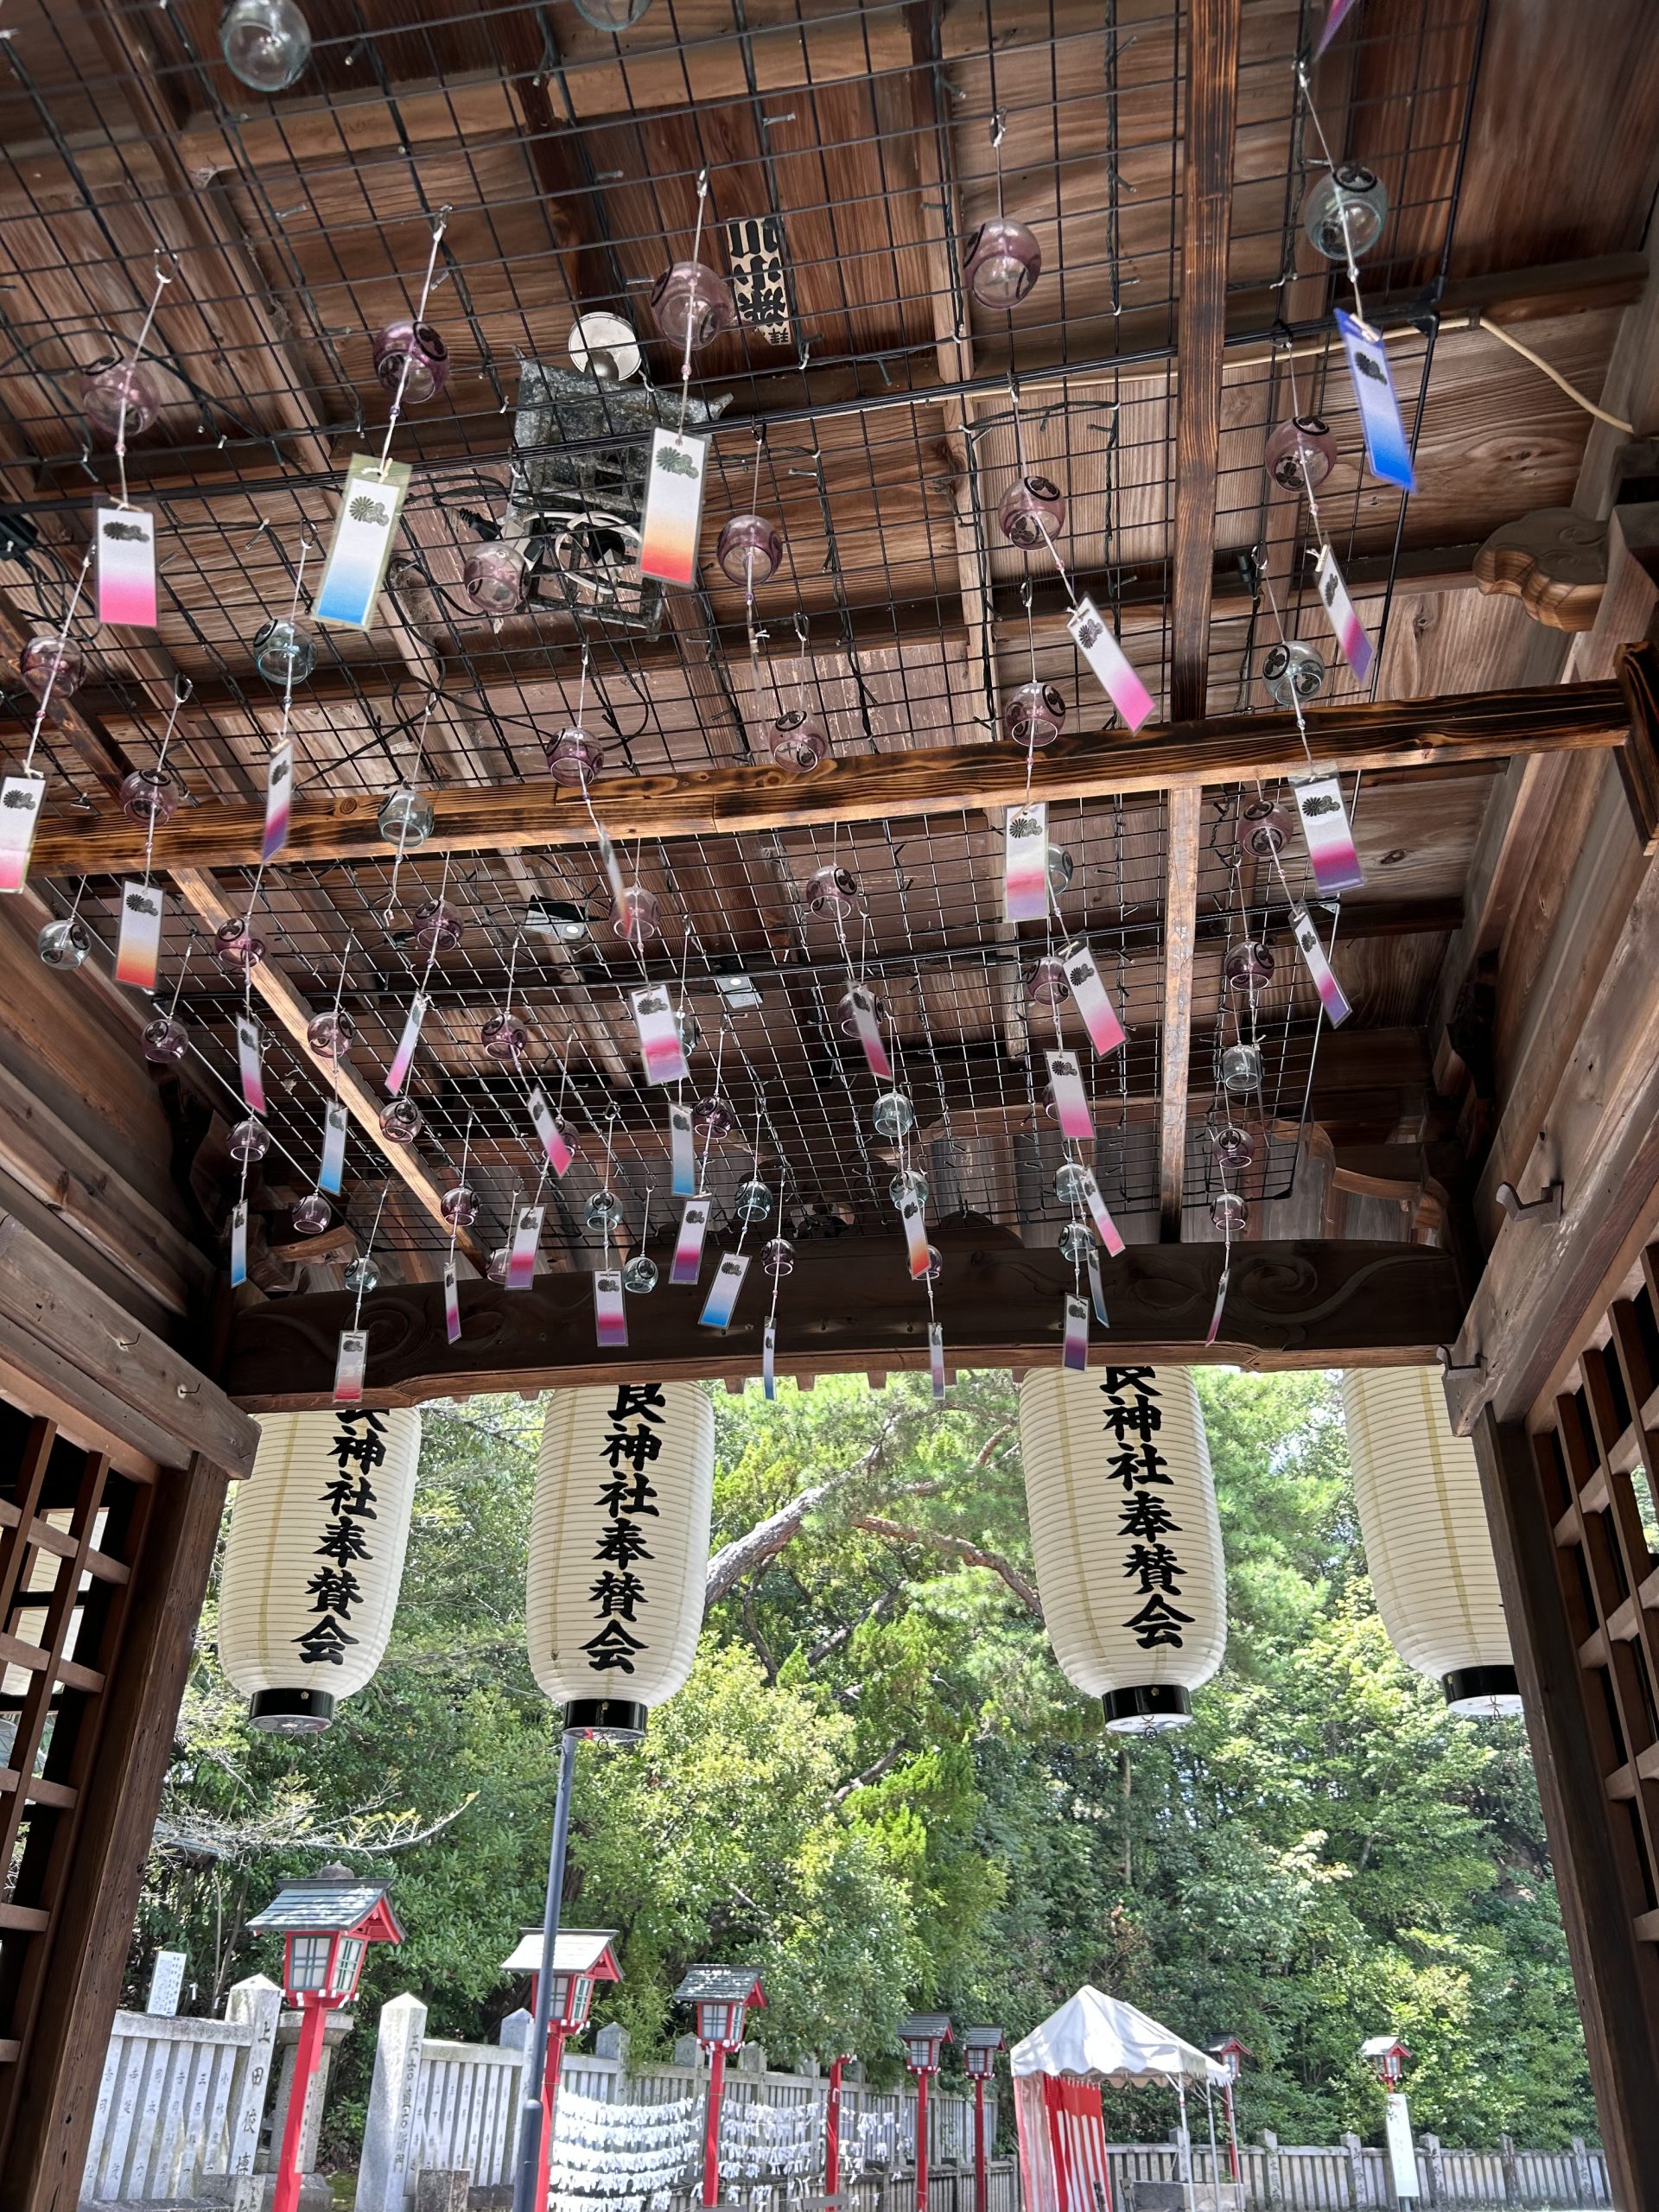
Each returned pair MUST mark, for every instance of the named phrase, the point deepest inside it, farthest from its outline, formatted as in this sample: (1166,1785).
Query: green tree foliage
(877,1788)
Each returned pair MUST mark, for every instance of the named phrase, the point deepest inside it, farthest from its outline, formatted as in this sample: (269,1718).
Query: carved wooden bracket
(1553,561)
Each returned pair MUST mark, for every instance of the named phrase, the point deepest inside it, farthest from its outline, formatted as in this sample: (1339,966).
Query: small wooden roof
(712,1985)
(576,1950)
(983,2039)
(333,1903)
(935,2026)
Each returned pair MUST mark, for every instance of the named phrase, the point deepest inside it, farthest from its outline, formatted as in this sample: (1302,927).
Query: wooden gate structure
(1466,1171)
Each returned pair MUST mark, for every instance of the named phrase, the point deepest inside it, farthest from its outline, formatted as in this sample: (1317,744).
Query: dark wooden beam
(873,787)
(852,1305)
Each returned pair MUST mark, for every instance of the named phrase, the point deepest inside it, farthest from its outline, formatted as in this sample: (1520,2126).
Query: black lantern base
(1482,1692)
(291,1712)
(612,1719)
(1147,1711)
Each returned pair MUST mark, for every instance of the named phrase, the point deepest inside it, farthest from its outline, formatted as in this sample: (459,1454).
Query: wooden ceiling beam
(1290,1305)
(1472,727)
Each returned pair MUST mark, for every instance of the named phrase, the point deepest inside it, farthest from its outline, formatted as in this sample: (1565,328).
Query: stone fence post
(1588,2192)
(1276,2178)
(1512,2175)
(1353,2151)
(383,2172)
(1434,2167)
(259,2004)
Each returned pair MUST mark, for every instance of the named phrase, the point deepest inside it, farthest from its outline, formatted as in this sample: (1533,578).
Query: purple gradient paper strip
(688,1248)
(1339,10)
(551,1131)
(1097,1289)
(721,1302)
(1330,840)
(1092,635)
(936,1356)
(1345,626)
(1221,1300)
(769,1359)
(1099,1213)
(349,1362)
(1025,863)
(870,1033)
(138,948)
(1337,1009)
(279,792)
(1071,1100)
(397,1073)
(1091,997)
(683,1152)
(913,1216)
(331,1174)
(247,1063)
(1386,448)
(451,1303)
(661,1046)
(1075,1354)
(610,1314)
(239,1244)
(126,567)
(20,815)
(521,1263)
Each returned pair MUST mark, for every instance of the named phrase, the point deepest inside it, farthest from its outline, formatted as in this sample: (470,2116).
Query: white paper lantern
(618,1549)
(313,1560)
(1126,1537)
(1417,1486)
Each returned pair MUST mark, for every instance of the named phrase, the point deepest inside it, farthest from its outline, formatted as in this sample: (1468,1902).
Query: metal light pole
(528,2178)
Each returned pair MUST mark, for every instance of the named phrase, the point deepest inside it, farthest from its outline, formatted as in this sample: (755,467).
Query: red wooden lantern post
(1232,2053)
(979,2049)
(832,2131)
(327,1921)
(581,1956)
(1389,2056)
(722,1996)
(923,2036)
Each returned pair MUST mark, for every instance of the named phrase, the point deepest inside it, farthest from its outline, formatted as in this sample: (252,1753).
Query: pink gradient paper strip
(397,1073)
(1330,840)
(138,948)
(769,1359)
(551,1131)
(1092,635)
(1345,626)
(332,1172)
(521,1263)
(451,1303)
(661,1047)
(913,1216)
(20,814)
(1099,1213)
(1090,996)
(126,567)
(279,792)
(239,1244)
(1337,1009)
(1025,863)
(247,1063)
(349,1362)
(1071,1100)
(610,1314)
(688,1248)
(1332,24)
(1075,1354)
(721,1302)
(936,1356)
(668,548)
(870,1033)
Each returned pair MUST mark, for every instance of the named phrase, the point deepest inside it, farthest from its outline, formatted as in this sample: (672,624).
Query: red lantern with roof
(722,1996)
(581,1958)
(923,2036)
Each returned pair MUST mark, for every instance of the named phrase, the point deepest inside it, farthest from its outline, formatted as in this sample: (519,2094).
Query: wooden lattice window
(69,1529)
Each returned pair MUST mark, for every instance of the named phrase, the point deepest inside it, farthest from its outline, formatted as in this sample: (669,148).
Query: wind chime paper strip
(1097,1289)
(365,526)
(673,518)
(1386,448)
(1337,1009)
(1075,1354)
(1345,626)
(688,1250)
(661,1046)
(1221,1301)
(20,815)
(611,867)
(279,792)
(1099,1213)
(138,948)
(451,1303)
(1340,10)
(349,1363)
(610,1315)
(248,1063)
(125,581)
(1092,635)
(239,1243)
(683,1152)
(769,1359)
(1025,863)
(397,1073)
(862,1005)
(331,1174)
(1330,840)
(1071,1100)
(1090,996)
(721,1302)
(551,1131)
(521,1262)
(913,1215)
(936,1356)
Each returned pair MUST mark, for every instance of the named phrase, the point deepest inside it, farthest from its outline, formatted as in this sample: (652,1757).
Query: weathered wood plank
(1290,1304)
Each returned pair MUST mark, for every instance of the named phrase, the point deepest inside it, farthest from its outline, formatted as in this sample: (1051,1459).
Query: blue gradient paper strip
(1386,446)
(721,1302)
(363,529)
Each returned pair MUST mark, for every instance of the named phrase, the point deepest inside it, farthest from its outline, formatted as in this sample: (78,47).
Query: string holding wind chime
(149,796)
(752,1203)
(692,307)
(362,1276)
(116,396)
(330,1036)
(51,665)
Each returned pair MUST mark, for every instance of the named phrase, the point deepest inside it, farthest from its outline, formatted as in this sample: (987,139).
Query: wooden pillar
(1595,1845)
(102,1848)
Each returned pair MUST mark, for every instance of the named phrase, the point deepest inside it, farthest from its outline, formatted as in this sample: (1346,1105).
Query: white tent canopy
(1095,2037)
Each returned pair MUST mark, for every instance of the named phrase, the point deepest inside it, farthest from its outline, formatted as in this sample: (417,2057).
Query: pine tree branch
(747,1554)
(957,1548)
